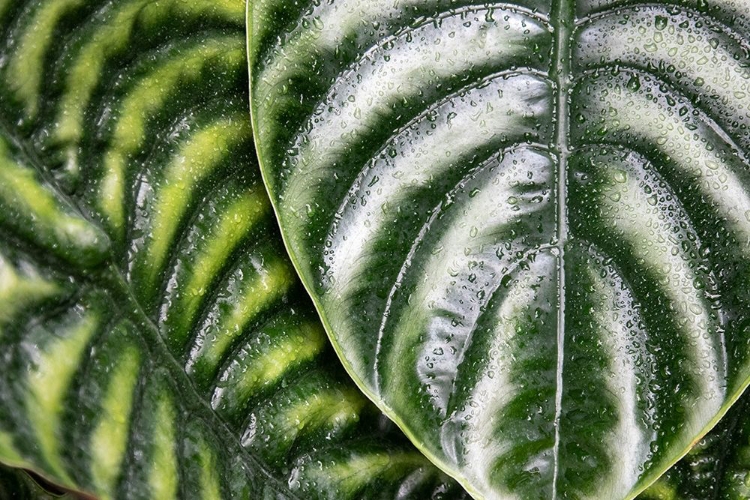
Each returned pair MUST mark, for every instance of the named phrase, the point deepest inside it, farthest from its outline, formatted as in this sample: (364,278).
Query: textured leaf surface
(155,340)
(718,467)
(525,224)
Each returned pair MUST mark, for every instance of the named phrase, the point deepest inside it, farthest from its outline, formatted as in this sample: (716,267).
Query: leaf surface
(16,484)
(525,224)
(718,467)
(155,340)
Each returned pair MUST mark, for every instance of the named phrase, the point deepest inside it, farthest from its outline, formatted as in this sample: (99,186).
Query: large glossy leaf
(526,224)
(718,467)
(155,341)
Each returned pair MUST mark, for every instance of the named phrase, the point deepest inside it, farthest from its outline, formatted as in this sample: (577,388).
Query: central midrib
(562,18)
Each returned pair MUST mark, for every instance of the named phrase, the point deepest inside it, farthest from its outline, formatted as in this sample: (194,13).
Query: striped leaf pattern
(155,340)
(525,224)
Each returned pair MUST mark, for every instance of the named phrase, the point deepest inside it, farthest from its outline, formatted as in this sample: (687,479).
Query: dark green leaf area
(155,340)
(717,467)
(526,225)
(16,484)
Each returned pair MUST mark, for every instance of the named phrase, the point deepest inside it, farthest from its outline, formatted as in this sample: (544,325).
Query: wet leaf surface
(526,225)
(154,339)
(718,467)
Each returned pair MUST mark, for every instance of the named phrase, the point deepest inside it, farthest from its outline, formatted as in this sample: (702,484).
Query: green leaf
(717,467)
(16,484)
(525,224)
(155,340)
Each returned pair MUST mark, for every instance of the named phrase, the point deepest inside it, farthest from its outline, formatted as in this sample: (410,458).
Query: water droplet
(634,84)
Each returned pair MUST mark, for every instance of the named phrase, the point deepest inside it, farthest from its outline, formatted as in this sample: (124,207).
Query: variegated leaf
(525,224)
(155,340)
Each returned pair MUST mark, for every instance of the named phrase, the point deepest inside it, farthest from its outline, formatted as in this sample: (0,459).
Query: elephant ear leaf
(525,224)
(155,340)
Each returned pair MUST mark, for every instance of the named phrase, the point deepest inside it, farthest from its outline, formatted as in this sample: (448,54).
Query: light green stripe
(232,11)
(113,37)
(320,409)
(268,363)
(211,253)
(25,70)
(85,72)
(233,226)
(290,417)
(163,474)
(33,210)
(209,474)
(196,160)
(109,439)
(274,281)
(351,475)
(303,345)
(19,291)
(143,103)
(48,382)
(9,454)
